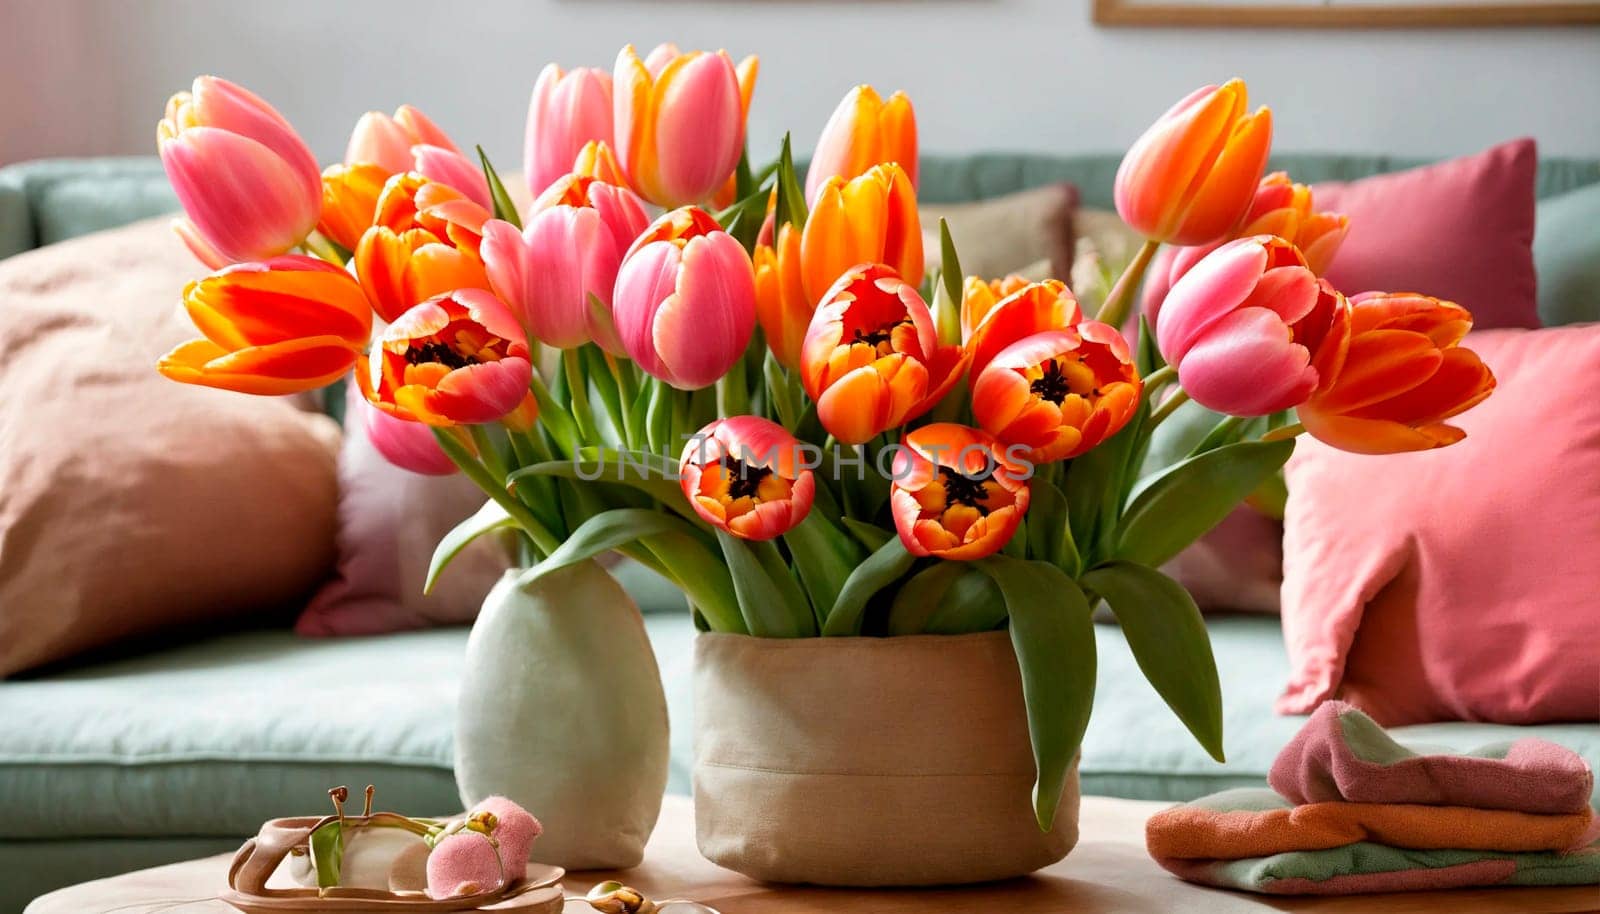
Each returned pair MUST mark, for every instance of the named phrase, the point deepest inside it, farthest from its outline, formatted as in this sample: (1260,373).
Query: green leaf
(703,577)
(1093,487)
(769,597)
(327,852)
(648,473)
(791,206)
(659,415)
(824,555)
(1049,533)
(881,569)
(1169,641)
(871,536)
(1179,506)
(949,263)
(602,533)
(971,604)
(554,418)
(1053,635)
(487,519)
(605,387)
(503,207)
(918,598)
(1227,430)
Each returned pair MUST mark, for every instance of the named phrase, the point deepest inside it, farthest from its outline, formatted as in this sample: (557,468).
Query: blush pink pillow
(1459,583)
(1460,230)
(389,522)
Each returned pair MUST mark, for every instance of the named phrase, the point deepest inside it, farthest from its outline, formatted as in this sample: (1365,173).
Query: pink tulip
(862,132)
(450,167)
(570,251)
(386,141)
(250,188)
(1251,330)
(568,110)
(679,121)
(685,300)
(408,445)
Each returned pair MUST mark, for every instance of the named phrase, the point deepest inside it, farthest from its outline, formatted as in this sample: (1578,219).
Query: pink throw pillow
(390,520)
(1459,583)
(1460,230)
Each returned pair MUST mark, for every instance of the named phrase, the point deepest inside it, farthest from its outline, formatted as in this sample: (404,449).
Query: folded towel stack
(1353,811)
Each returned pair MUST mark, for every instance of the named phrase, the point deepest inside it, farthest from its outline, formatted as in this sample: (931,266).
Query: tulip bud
(684,303)
(386,141)
(567,112)
(862,132)
(1190,178)
(247,183)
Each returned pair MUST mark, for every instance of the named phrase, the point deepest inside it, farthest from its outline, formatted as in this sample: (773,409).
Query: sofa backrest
(49,200)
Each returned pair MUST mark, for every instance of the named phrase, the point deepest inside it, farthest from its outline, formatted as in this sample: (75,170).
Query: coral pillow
(1459,583)
(390,520)
(130,504)
(1460,230)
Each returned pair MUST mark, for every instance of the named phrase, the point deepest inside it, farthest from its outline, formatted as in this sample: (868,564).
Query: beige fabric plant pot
(868,761)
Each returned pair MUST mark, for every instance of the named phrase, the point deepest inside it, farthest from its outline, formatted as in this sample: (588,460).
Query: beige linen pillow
(129,503)
(1006,234)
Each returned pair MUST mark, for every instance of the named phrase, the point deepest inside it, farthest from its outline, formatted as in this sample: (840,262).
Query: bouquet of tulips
(746,382)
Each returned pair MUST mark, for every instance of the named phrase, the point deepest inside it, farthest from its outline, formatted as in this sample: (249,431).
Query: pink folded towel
(1342,754)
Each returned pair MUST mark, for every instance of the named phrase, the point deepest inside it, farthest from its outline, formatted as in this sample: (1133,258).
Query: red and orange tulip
(864,131)
(867,219)
(956,494)
(1251,330)
(684,303)
(1191,177)
(1404,375)
(979,296)
(1033,308)
(871,359)
(748,476)
(1060,392)
(679,121)
(248,185)
(285,325)
(350,201)
(458,359)
(425,240)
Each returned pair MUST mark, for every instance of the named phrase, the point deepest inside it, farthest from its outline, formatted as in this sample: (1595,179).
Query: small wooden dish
(537,893)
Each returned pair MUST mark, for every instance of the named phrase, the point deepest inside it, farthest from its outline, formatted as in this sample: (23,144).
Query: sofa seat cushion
(211,738)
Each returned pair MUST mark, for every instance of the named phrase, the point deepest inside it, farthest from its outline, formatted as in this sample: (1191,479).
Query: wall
(90,76)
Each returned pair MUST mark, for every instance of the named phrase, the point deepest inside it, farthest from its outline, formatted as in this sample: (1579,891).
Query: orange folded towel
(1243,823)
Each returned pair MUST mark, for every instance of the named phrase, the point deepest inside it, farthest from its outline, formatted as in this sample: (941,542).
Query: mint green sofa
(183,751)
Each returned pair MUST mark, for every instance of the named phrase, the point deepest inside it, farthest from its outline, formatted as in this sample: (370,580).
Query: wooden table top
(1108,873)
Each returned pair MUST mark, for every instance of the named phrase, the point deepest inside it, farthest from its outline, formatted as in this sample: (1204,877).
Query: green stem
(488,450)
(496,489)
(1285,432)
(1120,300)
(578,389)
(1167,408)
(628,393)
(1159,378)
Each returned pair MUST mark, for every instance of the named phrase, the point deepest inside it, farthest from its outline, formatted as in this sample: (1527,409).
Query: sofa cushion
(1566,253)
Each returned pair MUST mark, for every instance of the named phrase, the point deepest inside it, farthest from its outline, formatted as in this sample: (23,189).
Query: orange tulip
(871,359)
(979,296)
(425,240)
(867,219)
(956,494)
(350,201)
(460,358)
(288,324)
(596,160)
(1059,393)
(862,132)
(1190,179)
(1404,374)
(782,306)
(747,475)
(1034,308)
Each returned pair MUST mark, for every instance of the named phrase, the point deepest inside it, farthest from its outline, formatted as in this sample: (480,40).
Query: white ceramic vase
(562,710)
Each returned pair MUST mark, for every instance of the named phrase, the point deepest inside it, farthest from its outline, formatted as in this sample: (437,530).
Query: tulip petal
(483,392)
(705,327)
(699,127)
(292,366)
(1379,365)
(243,198)
(1211,289)
(1246,365)
(453,169)
(1376,436)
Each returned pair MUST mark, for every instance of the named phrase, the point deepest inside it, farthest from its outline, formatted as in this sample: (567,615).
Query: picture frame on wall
(1345,13)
